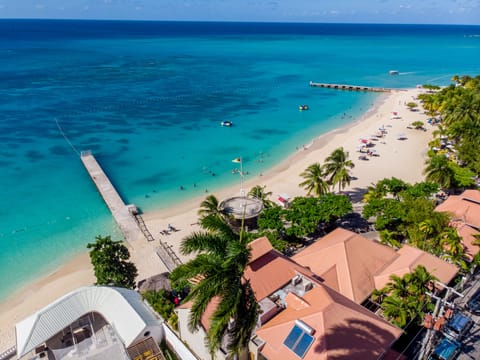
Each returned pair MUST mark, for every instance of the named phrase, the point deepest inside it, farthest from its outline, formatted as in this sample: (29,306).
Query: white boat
(226,123)
(393,72)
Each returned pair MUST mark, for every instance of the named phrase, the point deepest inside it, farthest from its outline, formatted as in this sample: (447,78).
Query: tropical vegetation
(314,182)
(110,263)
(336,168)
(222,255)
(405,298)
(335,171)
(305,215)
(261,193)
(455,162)
(404,213)
(161,301)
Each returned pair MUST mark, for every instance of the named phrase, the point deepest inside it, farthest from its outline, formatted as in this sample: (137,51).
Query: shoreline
(396,156)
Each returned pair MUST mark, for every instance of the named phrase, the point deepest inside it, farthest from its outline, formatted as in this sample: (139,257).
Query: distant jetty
(350,87)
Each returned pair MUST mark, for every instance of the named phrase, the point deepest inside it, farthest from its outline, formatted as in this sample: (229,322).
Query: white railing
(9,353)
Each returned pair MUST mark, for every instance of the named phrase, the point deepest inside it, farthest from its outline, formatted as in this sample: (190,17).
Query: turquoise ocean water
(148,98)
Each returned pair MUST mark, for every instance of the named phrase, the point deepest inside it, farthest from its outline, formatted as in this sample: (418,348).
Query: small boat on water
(393,72)
(226,123)
(303,107)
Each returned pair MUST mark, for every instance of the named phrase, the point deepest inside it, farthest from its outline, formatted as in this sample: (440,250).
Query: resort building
(465,212)
(94,323)
(300,316)
(408,258)
(354,276)
(341,267)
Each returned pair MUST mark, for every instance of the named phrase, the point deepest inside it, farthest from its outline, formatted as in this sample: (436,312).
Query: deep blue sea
(148,98)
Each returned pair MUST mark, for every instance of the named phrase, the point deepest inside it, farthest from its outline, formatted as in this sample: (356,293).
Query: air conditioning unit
(296,279)
(274,297)
(308,285)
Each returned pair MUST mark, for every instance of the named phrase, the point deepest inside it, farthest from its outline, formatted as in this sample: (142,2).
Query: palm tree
(421,281)
(426,228)
(314,181)
(209,207)
(222,256)
(261,193)
(438,170)
(452,247)
(396,310)
(398,286)
(336,166)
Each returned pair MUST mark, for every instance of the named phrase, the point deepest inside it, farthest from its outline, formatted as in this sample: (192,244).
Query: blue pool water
(148,98)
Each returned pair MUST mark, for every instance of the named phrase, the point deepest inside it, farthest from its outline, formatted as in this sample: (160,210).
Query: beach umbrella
(364,141)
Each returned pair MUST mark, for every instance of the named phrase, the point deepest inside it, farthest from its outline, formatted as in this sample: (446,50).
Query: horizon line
(235,21)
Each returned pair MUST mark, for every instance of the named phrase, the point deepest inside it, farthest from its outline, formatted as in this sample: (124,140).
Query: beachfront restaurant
(94,323)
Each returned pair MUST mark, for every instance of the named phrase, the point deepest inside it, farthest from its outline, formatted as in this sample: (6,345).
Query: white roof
(122,308)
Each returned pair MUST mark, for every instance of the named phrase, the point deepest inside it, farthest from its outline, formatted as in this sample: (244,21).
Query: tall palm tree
(261,193)
(314,181)
(209,207)
(222,255)
(336,167)
(439,170)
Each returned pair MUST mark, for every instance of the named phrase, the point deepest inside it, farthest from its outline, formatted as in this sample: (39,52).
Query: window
(298,341)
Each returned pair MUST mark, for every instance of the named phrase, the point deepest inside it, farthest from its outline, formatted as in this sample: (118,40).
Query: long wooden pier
(123,214)
(129,221)
(349,87)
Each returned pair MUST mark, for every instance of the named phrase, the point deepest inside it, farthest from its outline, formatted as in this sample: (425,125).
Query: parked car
(458,326)
(473,305)
(447,349)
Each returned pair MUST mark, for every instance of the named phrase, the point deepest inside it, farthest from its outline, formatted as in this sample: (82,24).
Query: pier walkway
(129,221)
(350,87)
(123,214)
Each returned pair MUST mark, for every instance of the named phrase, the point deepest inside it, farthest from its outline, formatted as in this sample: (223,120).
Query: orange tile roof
(467,233)
(409,258)
(271,271)
(259,247)
(343,329)
(267,271)
(346,262)
(465,210)
(465,207)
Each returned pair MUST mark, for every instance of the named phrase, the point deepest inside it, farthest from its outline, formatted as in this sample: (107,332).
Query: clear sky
(350,11)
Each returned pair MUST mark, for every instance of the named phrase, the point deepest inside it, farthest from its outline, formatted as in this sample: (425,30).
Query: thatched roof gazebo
(155,283)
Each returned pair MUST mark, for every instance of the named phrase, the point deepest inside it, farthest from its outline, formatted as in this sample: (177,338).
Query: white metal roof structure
(122,308)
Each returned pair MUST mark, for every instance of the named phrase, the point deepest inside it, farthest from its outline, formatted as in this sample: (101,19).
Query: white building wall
(195,341)
(181,349)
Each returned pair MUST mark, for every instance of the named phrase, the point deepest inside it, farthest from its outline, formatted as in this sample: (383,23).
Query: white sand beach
(403,159)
